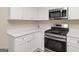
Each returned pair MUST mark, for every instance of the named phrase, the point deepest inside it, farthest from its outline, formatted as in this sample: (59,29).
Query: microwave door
(55,14)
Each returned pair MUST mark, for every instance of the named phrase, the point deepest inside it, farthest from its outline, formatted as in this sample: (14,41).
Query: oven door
(55,45)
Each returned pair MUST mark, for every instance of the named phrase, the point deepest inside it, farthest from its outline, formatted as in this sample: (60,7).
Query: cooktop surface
(59,32)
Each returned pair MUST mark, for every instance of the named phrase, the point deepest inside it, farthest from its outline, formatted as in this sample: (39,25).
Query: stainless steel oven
(56,39)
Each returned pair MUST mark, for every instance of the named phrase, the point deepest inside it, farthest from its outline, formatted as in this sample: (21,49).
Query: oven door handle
(55,35)
(63,40)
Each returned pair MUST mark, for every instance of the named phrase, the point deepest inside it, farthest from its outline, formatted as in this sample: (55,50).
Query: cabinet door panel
(29,13)
(40,40)
(30,43)
(34,13)
(16,13)
(19,41)
(30,46)
(21,48)
(73,13)
(43,13)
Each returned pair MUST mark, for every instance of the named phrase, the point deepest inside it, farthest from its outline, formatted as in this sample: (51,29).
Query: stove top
(57,31)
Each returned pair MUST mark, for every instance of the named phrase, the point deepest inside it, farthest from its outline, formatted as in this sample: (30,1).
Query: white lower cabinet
(26,43)
(72,44)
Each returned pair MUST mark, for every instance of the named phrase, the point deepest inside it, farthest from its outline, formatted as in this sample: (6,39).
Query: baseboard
(3,50)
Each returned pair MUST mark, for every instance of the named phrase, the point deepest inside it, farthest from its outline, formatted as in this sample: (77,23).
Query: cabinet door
(39,40)
(29,13)
(73,41)
(20,48)
(73,44)
(20,44)
(16,13)
(73,13)
(31,44)
(43,13)
(20,41)
(34,13)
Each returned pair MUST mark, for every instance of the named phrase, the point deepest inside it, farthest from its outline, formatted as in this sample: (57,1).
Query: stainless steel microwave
(60,13)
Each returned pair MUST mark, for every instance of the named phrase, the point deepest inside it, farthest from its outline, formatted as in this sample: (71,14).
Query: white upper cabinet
(15,13)
(73,13)
(23,13)
(43,13)
(29,13)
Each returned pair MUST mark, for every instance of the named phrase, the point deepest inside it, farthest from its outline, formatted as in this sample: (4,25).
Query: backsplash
(21,24)
(41,24)
(48,24)
(74,24)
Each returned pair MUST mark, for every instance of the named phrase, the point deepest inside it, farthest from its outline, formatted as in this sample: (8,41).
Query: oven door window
(55,45)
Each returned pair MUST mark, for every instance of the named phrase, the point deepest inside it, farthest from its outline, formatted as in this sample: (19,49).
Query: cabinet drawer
(28,37)
(23,39)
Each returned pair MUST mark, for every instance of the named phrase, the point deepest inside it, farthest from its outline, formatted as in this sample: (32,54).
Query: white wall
(3,26)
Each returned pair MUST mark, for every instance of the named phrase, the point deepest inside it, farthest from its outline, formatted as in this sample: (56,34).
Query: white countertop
(20,32)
